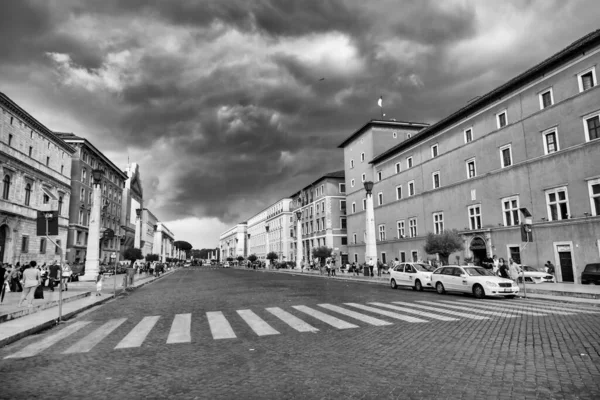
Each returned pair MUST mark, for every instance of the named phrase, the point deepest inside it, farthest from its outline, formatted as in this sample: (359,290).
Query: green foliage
(152,257)
(321,252)
(240,258)
(443,244)
(133,254)
(183,245)
(229,259)
(272,256)
(252,258)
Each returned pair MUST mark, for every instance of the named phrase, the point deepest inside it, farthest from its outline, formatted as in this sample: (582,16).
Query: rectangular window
(411,188)
(409,162)
(557,202)
(434,151)
(362,157)
(10,138)
(550,141)
(501,120)
(510,210)
(378,176)
(379,198)
(344,241)
(42,245)
(436,179)
(57,247)
(342,187)
(475,217)
(506,156)
(381,232)
(351,163)
(546,99)
(355,258)
(363,177)
(81,221)
(25,244)
(353,207)
(397,167)
(82,195)
(402,256)
(415,255)
(47,161)
(471,171)
(594,190)
(31,152)
(591,125)
(383,257)
(398,192)
(468,135)
(438,223)
(78,237)
(364,204)
(354,238)
(400,229)
(412,227)
(587,79)
(343,223)
(343,205)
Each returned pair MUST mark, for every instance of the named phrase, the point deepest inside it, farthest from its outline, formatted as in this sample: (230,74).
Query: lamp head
(298,214)
(267,228)
(97,175)
(368,186)
(138,212)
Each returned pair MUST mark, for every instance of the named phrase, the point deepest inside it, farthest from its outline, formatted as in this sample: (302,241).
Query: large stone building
(257,235)
(86,159)
(163,242)
(149,223)
(233,242)
(35,168)
(131,208)
(278,224)
(531,143)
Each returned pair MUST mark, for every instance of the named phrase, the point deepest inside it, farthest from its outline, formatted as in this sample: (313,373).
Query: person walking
(15,280)
(54,276)
(66,275)
(99,285)
(31,280)
(333,267)
(495,264)
(3,280)
(379,267)
(371,266)
(513,270)
(354,269)
(503,269)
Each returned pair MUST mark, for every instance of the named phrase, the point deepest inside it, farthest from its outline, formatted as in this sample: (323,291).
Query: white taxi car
(415,275)
(479,281)
(535,275)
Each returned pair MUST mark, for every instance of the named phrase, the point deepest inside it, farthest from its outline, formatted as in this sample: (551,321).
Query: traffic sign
(47,223)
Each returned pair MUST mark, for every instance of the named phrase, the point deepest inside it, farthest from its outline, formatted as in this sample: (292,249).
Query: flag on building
(380,101)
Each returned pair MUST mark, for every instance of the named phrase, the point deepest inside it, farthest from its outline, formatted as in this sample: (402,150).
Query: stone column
(371,245)
(92,259)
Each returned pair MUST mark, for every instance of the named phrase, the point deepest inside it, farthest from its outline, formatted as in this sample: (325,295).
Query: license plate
(507,290)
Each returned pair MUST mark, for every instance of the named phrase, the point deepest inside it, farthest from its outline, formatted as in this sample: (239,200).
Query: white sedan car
(479,281)
(535,275)
(415,275)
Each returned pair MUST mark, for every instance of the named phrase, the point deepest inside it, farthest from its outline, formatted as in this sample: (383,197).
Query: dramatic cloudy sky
(222,102)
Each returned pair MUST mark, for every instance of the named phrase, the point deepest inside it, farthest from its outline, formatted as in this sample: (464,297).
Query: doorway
(479,250)
(3,230)
(564,259)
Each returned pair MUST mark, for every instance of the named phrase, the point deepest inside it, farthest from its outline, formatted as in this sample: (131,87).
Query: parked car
(415,275)
(591,274)
(479,281)
(535,275)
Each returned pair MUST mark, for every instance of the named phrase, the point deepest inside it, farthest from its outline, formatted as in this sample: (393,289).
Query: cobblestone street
(222,333)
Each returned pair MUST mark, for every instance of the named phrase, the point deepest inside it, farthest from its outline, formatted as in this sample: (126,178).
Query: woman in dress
(31,280)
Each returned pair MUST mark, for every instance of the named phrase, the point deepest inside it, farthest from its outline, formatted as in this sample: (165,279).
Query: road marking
(258,325)
(88,342)
(138,334)
(361,317)
(460,314)
(497,308)
(328,319)
(219,326)
(418,312)
(291,320)
(470,309)
(180,329)
(524,307)
(559,307)
(386,313)
(37,347)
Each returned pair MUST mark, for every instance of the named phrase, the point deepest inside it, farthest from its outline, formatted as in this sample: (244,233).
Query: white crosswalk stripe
(180,329)
(256,323)
(497,308)
(47,342)
(521,307)
(219,326)
(88,342)
(290,319)
(460,314)
(328,319)
(417,312)
(386,313)
(577,308)
(361,317)
(138,334)
(469,309)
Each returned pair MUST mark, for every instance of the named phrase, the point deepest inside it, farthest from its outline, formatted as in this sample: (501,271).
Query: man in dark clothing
(54,276)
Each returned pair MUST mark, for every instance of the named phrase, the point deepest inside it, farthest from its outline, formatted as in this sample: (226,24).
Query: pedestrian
(31,280)
(496,264)
(354,269)
(328,266)
(513,270)
(15,279)
(379,267)
(66,275)
(54,276)
(3,278)
(99,284)
(503,269)
(333,267)
(371,265)
(549,268)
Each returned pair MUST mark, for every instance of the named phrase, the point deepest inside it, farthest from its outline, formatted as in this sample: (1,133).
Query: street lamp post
(299,239)
(370,244)
(92,259)
(267,262)
(138,228)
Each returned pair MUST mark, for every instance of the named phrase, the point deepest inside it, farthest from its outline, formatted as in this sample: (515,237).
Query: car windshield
(424,267)
(478,272)
(531,269)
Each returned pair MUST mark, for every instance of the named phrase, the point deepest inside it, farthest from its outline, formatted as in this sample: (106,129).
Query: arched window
(27,194)
(6,188)
(60,204)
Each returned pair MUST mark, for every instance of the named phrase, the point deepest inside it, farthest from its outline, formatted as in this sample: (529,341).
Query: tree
(229,259)
(132,254)
(322,252)
(240,258)
(152,257)
(252,258)
(443,244)
(183,245)
(272,256)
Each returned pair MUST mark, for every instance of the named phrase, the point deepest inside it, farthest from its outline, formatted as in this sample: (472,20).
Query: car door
(395,273)
(441,277)
(409,275)
(452,279)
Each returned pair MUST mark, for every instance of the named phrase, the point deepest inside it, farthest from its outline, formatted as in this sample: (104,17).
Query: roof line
(383,123)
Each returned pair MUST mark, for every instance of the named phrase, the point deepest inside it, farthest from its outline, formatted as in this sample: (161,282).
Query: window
(82,194)
(506,156)
(398,192)
(48,161)
(6,187)
(42,245)
(81,221)
(397,167)
(468,135)
(28,194)
(558,204)
(364,204)
(412,227)
(342,223)
(57,247)
(344,240)
(354,238)
(363,177)
(501,119)
(62,169)
(594,189)
(383,257)
(394,135)
(587,79)
(378,176)
(550,141)
(12,120)
(475,217)
(78,237)
(436,179)
(355,258)
(45,199)
(546,99)
(362,157)
(434,151)
(471,171)
(342,187)
(411,188)
(591,125)
(353,207)
(379,198)
(25,244)
(351,163)
(400,229)
(343,205)
(83,175)
(408,135)
(510,210)
(381,232)
(402,256)
(30,151)
(10,138)
(415,255)
(438,223)
(409,162)
(352,183)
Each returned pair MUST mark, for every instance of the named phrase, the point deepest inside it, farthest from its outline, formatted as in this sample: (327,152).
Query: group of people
(28,277)
(512,270)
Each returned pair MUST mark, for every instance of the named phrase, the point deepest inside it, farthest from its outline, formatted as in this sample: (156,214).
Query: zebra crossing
(300,318)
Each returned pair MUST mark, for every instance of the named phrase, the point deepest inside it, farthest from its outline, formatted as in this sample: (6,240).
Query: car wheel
(393,284)
(440,288)
(511,296)
(478,291)
(418,286)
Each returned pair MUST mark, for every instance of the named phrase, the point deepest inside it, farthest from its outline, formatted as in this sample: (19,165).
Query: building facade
(530,143)
(323,222)
(131,205)
(163,242)
(257,235)
(86,159)
(279,223)
(233,242)
(35,166)
(149,224)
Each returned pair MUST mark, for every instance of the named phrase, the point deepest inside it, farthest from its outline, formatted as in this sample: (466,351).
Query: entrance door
(566,264)
(515,253)
(2,241)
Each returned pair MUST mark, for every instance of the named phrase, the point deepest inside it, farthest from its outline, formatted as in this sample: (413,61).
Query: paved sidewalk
(18,322)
